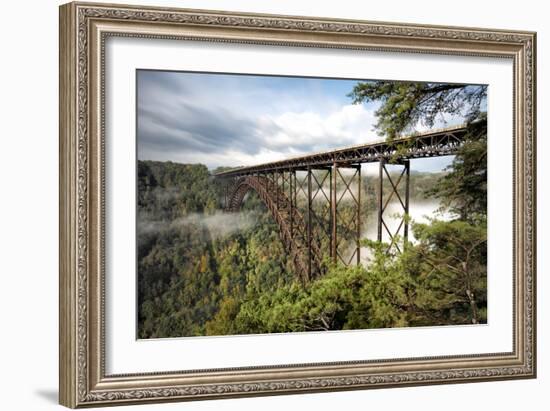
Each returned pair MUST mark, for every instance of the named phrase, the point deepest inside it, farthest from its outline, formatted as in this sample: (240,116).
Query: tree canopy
(406,104)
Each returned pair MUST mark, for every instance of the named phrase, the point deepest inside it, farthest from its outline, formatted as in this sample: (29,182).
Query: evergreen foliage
(406,104)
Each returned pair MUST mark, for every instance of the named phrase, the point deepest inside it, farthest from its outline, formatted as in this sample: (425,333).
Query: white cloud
(348,125)
(242,120)
(277,137)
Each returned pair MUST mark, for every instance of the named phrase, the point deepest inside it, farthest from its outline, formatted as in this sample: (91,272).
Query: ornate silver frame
(83,30)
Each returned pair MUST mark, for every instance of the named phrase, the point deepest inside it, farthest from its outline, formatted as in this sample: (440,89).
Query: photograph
(286,204)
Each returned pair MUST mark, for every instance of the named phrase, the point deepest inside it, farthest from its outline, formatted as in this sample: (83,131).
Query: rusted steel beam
(358,222)
(276,179)
(407,165)
(292,196)
(309,215)
(380,197)
(333,212)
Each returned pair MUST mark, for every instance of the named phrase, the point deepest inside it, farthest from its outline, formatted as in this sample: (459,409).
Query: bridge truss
(316,199)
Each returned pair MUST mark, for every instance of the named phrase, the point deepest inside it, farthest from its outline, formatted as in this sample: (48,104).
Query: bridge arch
(290,221)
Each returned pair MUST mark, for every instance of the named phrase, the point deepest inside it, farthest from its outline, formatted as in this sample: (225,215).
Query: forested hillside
(196,263)
(205,272)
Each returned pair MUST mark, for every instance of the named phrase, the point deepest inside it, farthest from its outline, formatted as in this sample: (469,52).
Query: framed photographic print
(259,204)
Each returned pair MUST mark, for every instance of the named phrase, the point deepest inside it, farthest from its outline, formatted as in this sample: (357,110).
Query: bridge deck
(430,144)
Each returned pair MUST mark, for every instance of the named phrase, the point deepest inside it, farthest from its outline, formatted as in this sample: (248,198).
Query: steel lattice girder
(433,144)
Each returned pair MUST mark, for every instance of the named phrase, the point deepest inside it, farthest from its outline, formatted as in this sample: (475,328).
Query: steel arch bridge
(305,194)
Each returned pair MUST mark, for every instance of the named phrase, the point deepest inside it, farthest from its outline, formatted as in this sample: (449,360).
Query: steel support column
(358,222)
(407,164)
(333,214)
(402,198)
(309,226)
(380,196)
(292,196)
(276,179)
(225,189)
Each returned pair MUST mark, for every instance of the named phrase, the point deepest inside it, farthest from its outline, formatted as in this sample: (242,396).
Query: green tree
(404,105)
(449,267)
(463,190)
(345,298)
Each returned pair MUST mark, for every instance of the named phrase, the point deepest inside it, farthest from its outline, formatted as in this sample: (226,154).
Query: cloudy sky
(241,120)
